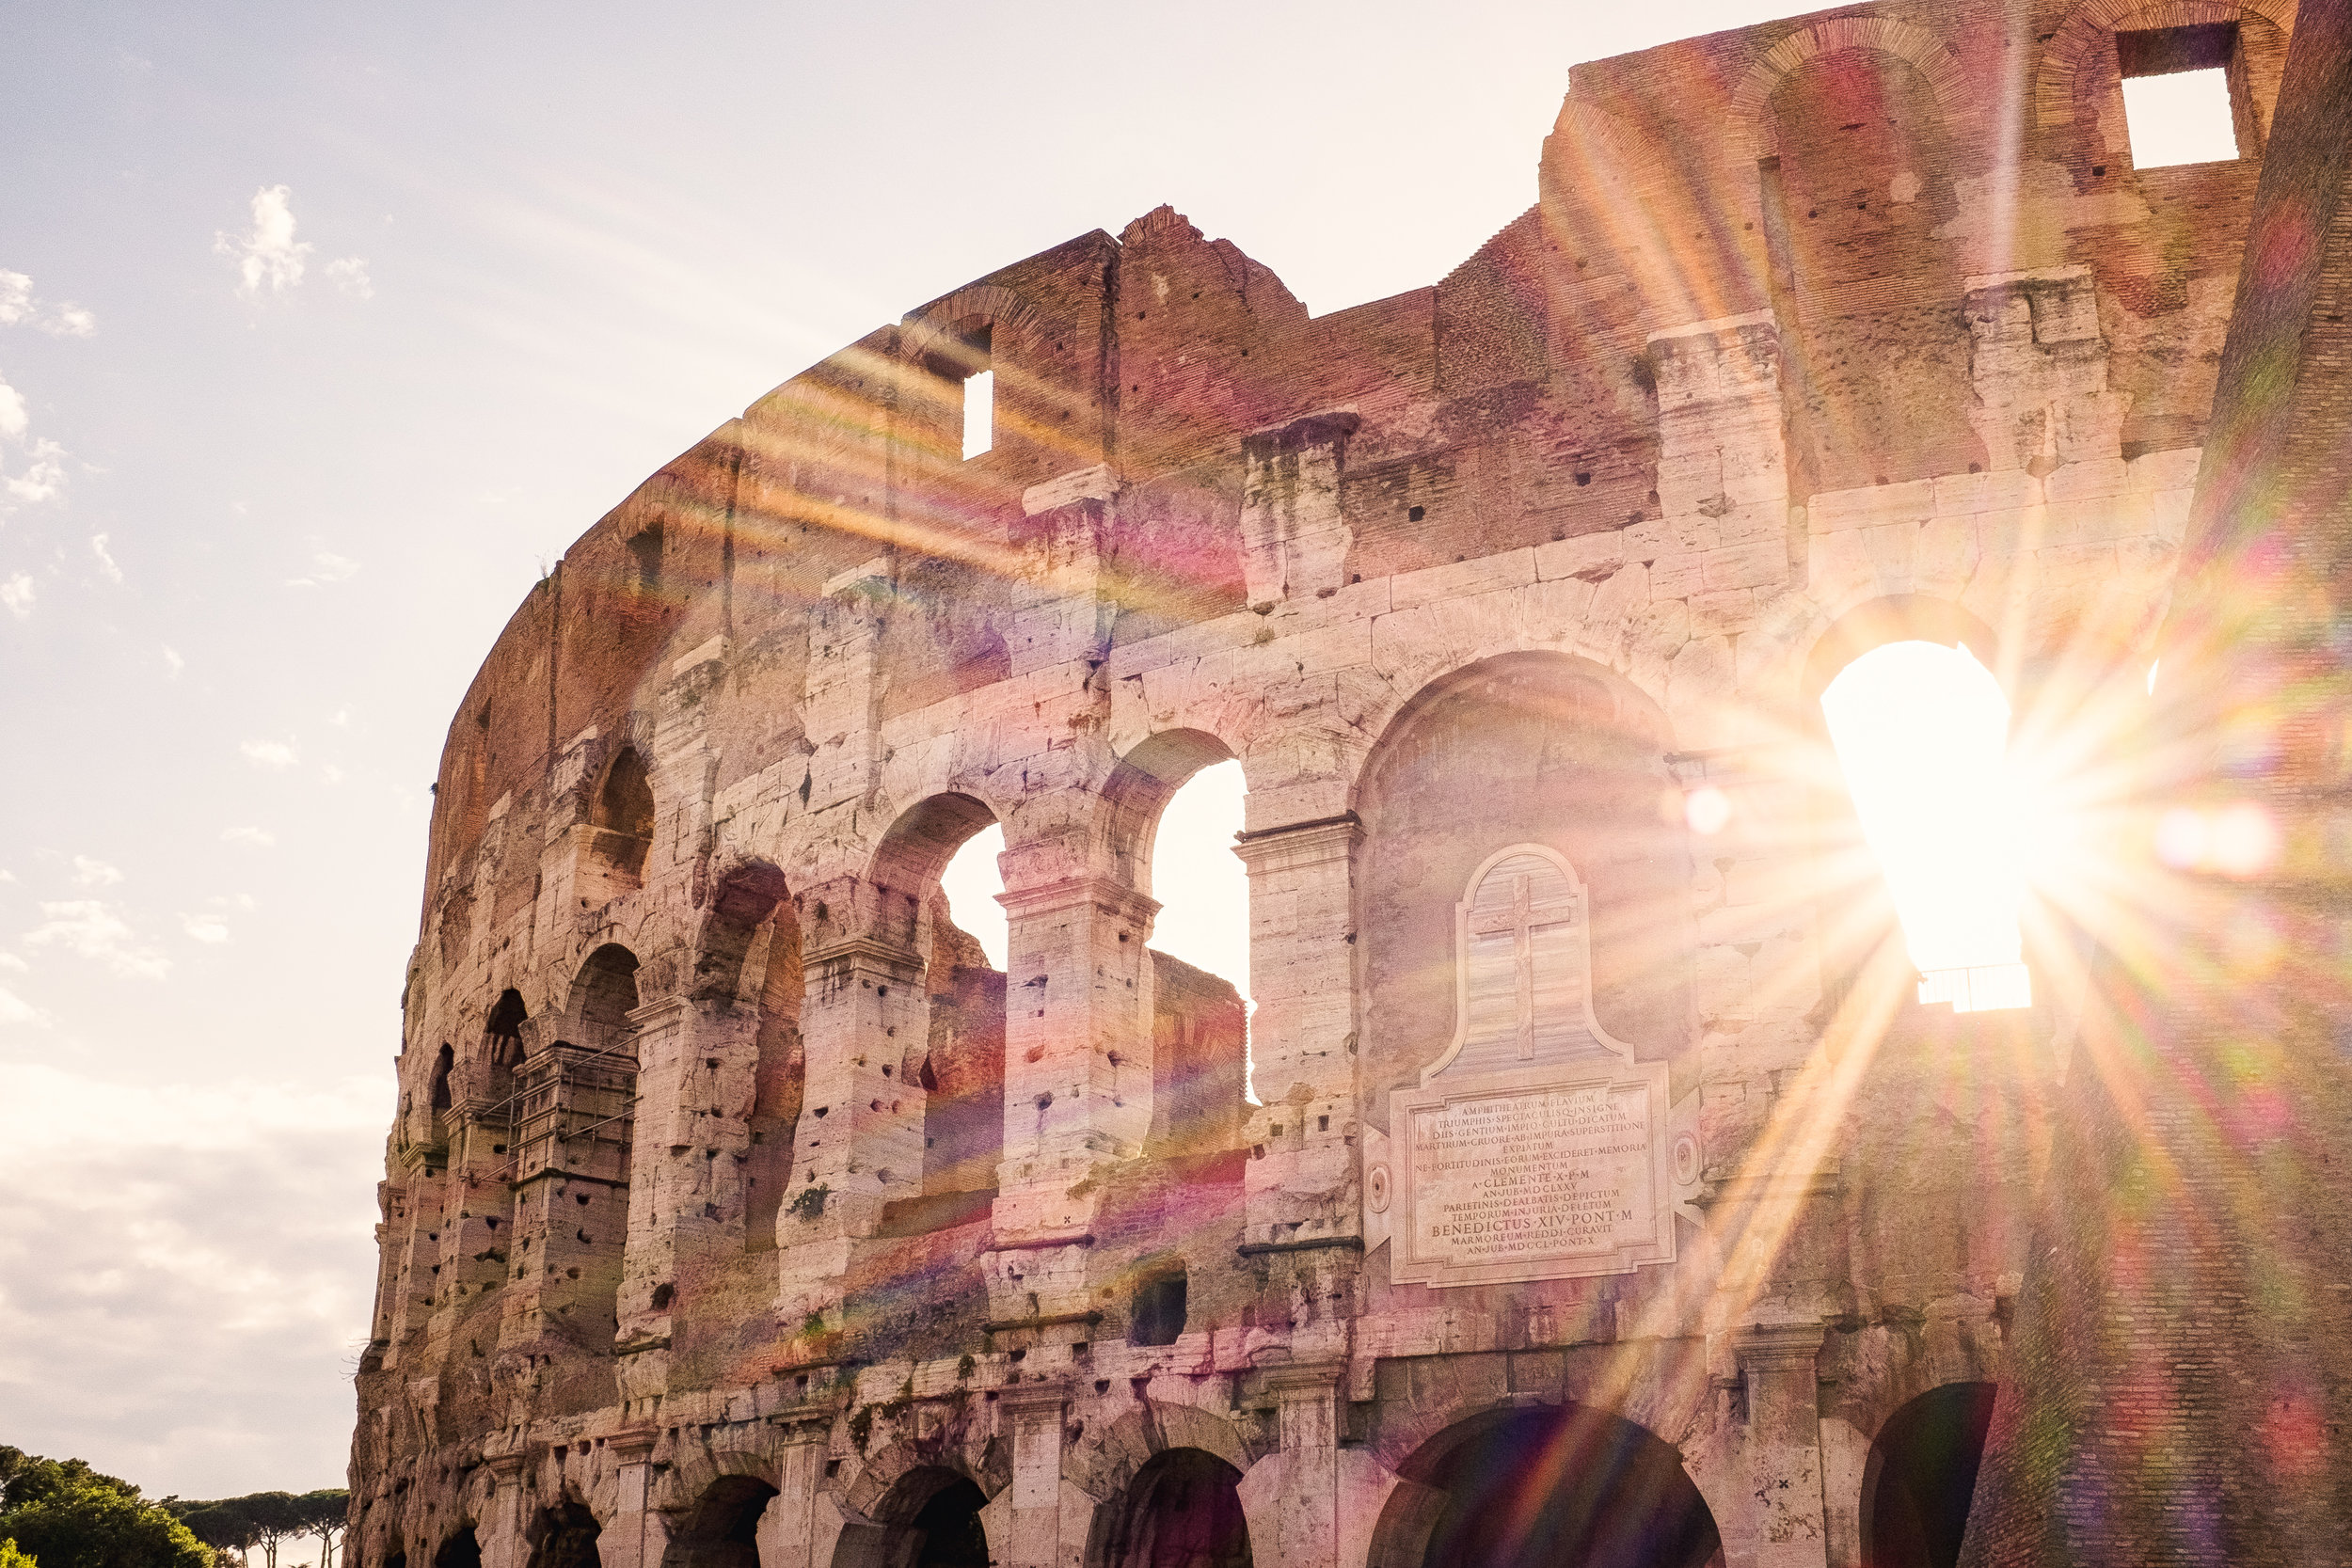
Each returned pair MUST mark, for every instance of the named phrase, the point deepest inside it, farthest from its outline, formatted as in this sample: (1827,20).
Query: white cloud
(173,662)
(11,963)
(261,838)
(92,873)
(15,1009)
(105,559)
(350,274)
(14,421)
(17,594)
(325,567)
(269,753)
(204,928)
(45,478)
(88,929)
(19,306)
(331,773)
(270,254)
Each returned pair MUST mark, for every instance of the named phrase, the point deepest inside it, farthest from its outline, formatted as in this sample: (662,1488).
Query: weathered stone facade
(737,1213)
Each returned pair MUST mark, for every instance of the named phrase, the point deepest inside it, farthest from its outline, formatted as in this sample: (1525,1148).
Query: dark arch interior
(1184,1511)
(566,1537)
(721,1530)
(504,1028)
(624,810)
(1914,1510)
(606,992)
(462,1550)
(441,1064)
(1573,1487)
(948,1527)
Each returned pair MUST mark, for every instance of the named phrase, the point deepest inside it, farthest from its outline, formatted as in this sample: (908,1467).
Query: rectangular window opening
(2178,98)
(979,412)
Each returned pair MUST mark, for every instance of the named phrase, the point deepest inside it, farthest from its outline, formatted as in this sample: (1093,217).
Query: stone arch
(748,895)
(1152,1428)
(1563,755)
(562,1534)
(460,1548)
(1876,620)
(1922,1475)
(1521,1482)
(720,1527)
(2081,48)
(899,1478)
(906,1496)
(1750,111)
(1141,786)
(603,993)
(923,334)
(1414,691)
(1181,1508)
(697,1467)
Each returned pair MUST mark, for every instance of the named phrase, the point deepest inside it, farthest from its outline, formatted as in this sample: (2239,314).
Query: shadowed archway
(1922,1477)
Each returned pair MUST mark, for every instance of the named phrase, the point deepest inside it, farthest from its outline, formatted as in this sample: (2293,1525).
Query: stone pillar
(1290,1498)
(636,1535)
(1295,541)
(501,1536)
(842,701)
(696,1065)
(1302,1178)
(788,1530)
(1025,1524)
(859,1144)
(1077,1046)
(1783,1453)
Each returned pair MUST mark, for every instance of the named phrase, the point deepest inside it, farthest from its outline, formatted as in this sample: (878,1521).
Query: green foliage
(10,1556)
(810,1204)
(64,1514)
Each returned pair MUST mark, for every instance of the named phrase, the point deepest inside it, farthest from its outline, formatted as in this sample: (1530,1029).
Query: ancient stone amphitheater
(1588,1185)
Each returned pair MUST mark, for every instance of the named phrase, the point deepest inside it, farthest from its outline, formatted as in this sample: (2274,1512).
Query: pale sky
(322,331)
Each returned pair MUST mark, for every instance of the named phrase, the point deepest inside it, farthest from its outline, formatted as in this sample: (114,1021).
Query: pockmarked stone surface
(1519,1179)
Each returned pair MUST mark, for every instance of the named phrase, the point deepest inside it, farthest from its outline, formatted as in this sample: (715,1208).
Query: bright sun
(1921,730)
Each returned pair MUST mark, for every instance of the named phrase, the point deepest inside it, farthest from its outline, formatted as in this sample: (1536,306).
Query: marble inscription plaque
(1533,1175)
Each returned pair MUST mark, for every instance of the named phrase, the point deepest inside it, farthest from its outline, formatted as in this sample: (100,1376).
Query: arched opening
(1920,725)
(605,994)
(564,1536)
(502,1031)
(1175,812)
(1183,1510)
(722,1529)
(1532,1488)
(957,1059)
(749,956)
(949,1527)
(461,1550)
(438,1096)
(1922,1475)
(619,836)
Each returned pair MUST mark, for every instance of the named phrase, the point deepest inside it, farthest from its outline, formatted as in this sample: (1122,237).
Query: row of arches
(1530,1487)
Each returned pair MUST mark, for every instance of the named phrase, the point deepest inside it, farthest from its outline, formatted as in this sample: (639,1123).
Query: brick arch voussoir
(2090,24)
(1750,102)
(1001,308)
(1423,678)
(1152,1429)
(696,1470)
(892,1464)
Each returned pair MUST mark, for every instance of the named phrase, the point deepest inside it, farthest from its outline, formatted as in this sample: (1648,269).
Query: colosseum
(1584,1179)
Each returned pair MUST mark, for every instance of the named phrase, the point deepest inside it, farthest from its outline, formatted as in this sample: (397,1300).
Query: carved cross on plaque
(1525,968)
(1521,918)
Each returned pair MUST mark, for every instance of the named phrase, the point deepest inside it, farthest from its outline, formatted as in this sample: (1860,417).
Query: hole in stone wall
(1156,1316)
(2177,94)
(1921,732)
